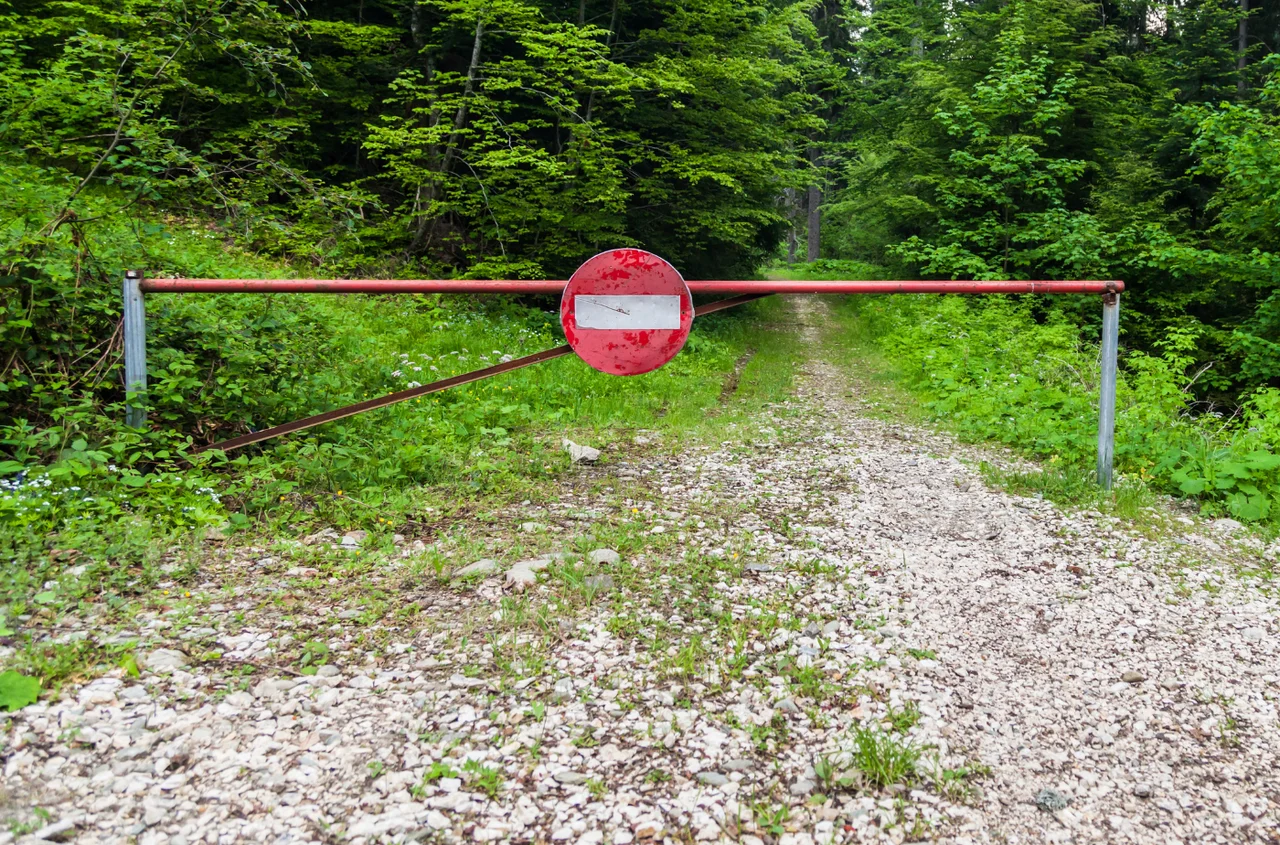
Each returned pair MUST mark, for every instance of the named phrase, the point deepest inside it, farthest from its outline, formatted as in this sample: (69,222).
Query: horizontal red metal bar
(517,286)
(945,286)
(350,286)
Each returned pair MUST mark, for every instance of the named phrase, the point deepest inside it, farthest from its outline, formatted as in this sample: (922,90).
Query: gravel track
(824,572)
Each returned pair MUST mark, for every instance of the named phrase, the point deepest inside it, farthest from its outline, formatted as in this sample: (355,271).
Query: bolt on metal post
(1107,388)
(135,350)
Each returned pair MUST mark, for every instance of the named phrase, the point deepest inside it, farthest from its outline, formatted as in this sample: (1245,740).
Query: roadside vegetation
(116,522)
(729,573)
(1019,371)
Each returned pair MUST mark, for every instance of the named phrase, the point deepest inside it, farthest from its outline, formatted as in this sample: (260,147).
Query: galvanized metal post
(135,350)
(1107,388)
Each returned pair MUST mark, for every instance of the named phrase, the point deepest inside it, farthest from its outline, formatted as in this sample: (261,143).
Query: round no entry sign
(626,312)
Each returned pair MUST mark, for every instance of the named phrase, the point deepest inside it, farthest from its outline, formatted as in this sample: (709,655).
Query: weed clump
(882,758)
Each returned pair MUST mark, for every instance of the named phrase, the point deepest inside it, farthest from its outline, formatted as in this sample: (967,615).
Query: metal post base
(1107,388)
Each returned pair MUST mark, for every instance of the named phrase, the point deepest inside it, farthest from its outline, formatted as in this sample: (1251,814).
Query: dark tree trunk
(791,209)
(459,120)
(917,39)
(609,40)
(1242,45)
(815,200)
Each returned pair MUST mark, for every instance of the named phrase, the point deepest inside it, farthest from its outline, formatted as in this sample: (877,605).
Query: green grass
(1023,372)
(483,778)
(883,759)
(1129,499)
(904,718)
(57,663)
(826,269)
(959,784)
(770,818)
(40,817)
(436,771)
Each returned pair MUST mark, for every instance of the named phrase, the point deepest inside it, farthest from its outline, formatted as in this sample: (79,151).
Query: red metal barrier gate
(625,308)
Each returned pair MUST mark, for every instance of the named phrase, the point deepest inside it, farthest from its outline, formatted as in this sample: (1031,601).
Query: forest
(977,139)
(843,571)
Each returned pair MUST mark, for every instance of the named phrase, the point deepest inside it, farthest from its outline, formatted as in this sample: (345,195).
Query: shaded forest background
(507,139)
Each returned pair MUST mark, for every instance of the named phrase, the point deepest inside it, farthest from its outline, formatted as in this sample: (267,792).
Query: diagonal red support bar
(517,286)
(433,387)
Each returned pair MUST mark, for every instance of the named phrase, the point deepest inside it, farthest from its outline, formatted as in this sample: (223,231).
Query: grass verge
(1023,371)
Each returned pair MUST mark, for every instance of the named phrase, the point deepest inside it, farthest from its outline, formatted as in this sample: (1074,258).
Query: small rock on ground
(164,660)
(581,454)
(484,566)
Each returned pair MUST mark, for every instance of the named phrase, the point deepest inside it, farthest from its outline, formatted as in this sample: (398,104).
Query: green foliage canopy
(1038,139)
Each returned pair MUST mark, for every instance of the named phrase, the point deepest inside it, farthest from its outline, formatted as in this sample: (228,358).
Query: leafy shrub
(1020,371)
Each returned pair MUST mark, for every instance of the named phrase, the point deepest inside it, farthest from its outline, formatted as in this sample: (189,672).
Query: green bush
(827,268)
(1021,371)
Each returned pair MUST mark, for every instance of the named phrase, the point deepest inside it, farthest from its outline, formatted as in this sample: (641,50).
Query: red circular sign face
(626,312)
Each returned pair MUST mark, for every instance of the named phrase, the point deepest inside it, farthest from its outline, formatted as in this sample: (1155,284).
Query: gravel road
(825,628)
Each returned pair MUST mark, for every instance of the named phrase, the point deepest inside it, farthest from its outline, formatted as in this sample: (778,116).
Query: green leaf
(1192,486)
(17,690)
(1263,460)
(1248,508)
(129,663)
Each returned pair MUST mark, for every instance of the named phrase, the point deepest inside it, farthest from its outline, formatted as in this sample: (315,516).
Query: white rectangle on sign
(626,312)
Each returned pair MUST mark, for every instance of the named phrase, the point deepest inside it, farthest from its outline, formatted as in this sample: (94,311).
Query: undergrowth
(1022,371)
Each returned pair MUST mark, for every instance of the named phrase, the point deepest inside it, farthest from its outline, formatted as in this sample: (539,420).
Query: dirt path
(824,629)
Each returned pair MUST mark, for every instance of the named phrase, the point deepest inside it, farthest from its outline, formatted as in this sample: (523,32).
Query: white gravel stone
(164,660)
(485,566)
(519,578)
(580,454)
